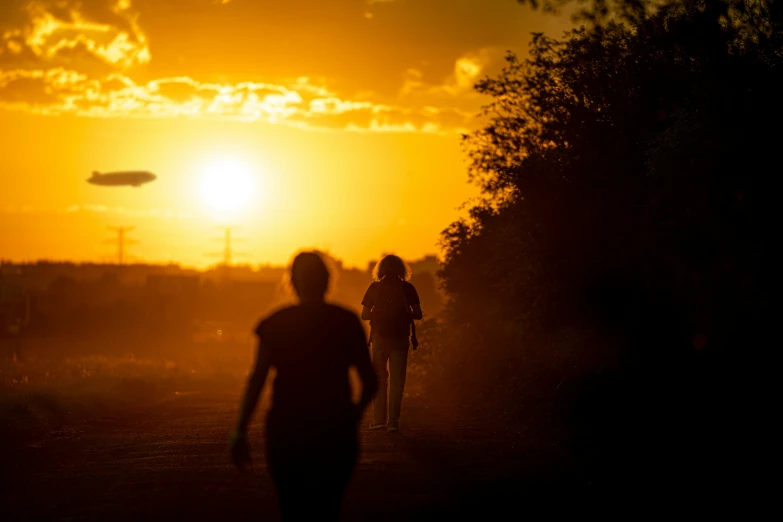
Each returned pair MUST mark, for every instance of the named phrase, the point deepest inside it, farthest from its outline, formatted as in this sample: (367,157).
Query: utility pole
(121,241)
(228,253)
(227,247)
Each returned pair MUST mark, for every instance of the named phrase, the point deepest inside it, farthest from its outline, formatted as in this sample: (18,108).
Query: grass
(46,394)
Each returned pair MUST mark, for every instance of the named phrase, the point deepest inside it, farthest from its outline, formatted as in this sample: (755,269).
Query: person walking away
(311,429)
(391,304)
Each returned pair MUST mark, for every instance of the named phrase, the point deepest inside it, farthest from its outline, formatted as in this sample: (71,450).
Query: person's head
(391,266)
(309,276)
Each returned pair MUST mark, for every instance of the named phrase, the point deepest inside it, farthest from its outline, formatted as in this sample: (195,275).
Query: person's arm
(239,448)
(360,358)
(413,301)
(254,387)
(367,302)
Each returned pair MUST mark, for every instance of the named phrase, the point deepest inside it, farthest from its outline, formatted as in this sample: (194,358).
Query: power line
(122,242)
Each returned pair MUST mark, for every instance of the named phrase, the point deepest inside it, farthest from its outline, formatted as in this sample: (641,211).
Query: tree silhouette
(634,146)
(628,177)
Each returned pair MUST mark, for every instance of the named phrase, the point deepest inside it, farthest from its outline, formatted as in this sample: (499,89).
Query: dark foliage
(628,172)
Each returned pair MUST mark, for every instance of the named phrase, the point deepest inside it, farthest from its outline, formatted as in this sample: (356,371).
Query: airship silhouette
(132,178)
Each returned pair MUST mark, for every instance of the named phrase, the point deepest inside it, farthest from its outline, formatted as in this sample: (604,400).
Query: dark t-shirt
(411,297)
(311,347)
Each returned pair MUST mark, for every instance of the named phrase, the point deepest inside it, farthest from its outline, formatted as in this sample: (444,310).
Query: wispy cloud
(371,3)
(103,209)
(468,70)
(299,103)
(89,208)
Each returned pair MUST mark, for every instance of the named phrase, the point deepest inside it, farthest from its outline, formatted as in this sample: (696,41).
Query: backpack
(391,316)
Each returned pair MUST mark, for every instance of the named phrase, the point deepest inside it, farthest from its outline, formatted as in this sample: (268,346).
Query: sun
(227,185)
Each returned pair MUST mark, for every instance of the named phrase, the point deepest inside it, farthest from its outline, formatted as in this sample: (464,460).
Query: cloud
(468,69)
(27,90)
(41,91)
(371,3)
(103,209)
(84,35)
(79,57)
(91,209)
(299,104)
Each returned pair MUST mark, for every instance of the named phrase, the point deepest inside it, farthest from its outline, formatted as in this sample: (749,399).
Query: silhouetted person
(311,428)
(391,304)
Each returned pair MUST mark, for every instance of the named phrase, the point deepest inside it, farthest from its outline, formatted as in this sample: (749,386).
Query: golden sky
(305,123)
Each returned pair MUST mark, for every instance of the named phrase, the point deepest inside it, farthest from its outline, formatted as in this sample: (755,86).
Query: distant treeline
(87,301)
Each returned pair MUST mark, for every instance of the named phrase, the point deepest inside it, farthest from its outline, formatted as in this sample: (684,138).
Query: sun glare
(227,185)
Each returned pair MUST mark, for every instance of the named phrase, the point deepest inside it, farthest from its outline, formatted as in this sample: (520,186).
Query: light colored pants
(395,353)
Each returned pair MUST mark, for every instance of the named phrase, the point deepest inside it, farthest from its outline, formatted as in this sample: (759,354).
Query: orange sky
(343,118)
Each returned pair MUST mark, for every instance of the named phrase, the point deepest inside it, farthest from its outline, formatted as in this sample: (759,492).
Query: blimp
(128,178)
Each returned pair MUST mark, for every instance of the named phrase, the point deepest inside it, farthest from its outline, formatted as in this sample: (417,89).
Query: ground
(165,458)
(169,461)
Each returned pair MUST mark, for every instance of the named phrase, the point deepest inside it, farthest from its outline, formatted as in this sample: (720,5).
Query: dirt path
(169,462)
